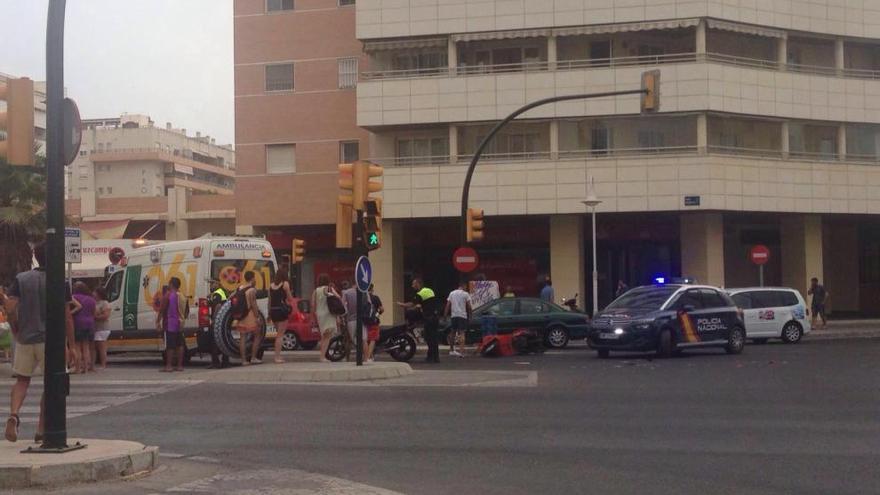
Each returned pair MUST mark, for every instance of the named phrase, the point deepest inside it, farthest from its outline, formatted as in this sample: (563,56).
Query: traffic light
(298,251)
(373,223)
(474,225)
(18,121)
(651,96)
(354,180)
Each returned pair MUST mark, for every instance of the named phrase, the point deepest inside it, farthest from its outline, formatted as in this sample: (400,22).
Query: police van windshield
(230,274)
(643,298)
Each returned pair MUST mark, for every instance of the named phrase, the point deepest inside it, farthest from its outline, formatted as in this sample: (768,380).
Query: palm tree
(22,215)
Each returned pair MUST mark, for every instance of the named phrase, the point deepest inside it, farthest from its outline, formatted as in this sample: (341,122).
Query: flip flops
(12,427)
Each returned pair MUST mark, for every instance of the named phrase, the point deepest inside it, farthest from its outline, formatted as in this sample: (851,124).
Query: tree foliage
(22,215)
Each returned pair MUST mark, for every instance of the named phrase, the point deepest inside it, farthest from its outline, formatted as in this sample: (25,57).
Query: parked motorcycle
(398,342)
(571,304)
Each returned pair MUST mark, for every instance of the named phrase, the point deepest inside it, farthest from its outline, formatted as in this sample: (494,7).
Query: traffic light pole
(479,152)
(359,249)
(56,381)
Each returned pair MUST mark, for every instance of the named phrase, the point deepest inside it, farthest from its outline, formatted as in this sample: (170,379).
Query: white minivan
(773,313)
(134,292)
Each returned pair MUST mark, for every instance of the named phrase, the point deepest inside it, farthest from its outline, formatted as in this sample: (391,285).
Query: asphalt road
(778,419)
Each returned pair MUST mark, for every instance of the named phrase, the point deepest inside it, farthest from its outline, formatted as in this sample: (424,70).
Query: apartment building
(133,179)
(768,133)
(296,72)
(39,110)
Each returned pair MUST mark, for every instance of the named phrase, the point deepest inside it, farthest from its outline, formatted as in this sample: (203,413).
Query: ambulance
(135,290)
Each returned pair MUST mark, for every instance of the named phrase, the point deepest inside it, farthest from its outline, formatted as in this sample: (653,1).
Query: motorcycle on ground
(572,303)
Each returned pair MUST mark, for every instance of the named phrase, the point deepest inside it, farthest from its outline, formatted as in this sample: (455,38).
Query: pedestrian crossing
(90,396)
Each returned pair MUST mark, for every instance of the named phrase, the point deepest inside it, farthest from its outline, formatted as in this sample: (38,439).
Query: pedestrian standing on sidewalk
(102,330)
(818,303)
(458,305)
(84,325)
(352,313)
(26,310)
(373,331)
(280,298)
(172,322)
(251,322)
(325,319)
(430,306)
(547,293)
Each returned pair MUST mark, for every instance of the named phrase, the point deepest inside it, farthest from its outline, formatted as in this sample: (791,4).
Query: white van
(773,313)
(135,291)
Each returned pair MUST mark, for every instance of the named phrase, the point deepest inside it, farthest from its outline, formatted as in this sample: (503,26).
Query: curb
(843,335)
(299,373)
(136,459)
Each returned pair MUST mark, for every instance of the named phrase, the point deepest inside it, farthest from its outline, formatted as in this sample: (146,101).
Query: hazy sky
(170,59)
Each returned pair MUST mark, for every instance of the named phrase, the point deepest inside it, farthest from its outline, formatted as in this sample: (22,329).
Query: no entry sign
(465,259)
(759,254)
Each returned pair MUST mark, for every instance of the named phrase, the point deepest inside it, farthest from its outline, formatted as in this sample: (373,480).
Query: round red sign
(465,259)
(116,254)
(759,254)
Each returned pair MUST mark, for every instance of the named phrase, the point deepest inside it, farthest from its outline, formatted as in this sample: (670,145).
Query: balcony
(160,155)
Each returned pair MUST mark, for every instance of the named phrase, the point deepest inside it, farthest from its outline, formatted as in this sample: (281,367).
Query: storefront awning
(745,28)
(626,27)
(110,229)
(502,35)
(375,46)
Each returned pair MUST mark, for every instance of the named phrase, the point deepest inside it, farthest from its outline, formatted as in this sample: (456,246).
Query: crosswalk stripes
(90,396)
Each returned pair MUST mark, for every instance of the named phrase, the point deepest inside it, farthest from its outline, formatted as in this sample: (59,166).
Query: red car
(302,333)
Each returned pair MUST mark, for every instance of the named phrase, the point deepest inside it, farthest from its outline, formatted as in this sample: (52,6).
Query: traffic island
(100,460)
(310,372)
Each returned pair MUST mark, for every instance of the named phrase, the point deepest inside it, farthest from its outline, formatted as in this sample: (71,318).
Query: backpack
(238,304)
(334,304)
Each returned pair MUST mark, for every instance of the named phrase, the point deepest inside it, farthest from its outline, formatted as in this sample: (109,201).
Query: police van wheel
(735,341)
(792,333)
(604,353)
(665,345)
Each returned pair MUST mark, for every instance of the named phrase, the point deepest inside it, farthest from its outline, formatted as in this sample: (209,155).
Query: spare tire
(226,342)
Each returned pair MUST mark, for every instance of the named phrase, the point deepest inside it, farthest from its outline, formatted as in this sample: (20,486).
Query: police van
(135,291)
(668,319)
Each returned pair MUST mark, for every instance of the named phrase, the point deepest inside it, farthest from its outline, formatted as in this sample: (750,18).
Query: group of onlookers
(337,311)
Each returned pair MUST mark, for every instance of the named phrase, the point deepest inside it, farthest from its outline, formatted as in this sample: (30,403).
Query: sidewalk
(847,329)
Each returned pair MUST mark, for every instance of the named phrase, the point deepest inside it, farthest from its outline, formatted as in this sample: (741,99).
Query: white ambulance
(135,291)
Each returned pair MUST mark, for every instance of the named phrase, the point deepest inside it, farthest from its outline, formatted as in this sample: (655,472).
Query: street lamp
(592,201)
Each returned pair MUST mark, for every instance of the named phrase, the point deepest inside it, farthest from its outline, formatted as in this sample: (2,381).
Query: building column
(702,247)
(701,45)
(702,133)
(177,229)
(567,265)
(839,56)
(387,263)
(452,55)
(841,142)
(453,144)
(801,251)
(786,142)
(782,52)
(554,139)
(551,52)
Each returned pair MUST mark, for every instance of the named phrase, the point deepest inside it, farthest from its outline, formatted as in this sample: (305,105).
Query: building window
(281,159)
(343,3)
(348,73)
(109,190)
(100,190)
(279,77)
(278,5)
(83,153)
(414,151)
(349,151)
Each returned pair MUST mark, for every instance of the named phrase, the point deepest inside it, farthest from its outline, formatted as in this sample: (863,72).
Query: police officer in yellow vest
(431,307)
(217,298)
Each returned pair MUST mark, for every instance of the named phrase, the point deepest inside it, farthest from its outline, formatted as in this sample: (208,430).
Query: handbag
(334,304)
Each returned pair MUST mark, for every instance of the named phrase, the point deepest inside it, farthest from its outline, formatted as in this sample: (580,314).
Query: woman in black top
(279,307)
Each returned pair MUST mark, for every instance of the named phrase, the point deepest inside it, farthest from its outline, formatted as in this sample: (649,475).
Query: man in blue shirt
(547,293)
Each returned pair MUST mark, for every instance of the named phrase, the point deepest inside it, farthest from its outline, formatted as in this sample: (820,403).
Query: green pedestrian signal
(373,239)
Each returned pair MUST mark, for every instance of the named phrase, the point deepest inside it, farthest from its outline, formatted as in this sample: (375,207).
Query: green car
(556,324)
